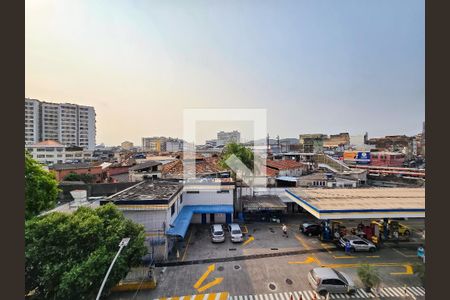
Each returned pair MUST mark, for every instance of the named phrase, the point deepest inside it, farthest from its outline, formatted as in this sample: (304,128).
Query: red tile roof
(271,172)
(283,164)
(207,165)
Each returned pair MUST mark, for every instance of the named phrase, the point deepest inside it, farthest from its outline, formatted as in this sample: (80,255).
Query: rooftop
(60,167)
(145,165)
(355,203)
(263,202)
(147,192)
(283,164)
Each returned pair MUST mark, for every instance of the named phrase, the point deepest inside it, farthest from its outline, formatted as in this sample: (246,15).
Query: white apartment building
(31,121)
(52,152)
(69,124)
(224,138)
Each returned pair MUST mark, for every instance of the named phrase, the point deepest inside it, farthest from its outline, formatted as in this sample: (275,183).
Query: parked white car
(235,233)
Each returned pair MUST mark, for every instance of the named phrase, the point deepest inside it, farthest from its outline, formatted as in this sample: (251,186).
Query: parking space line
(249,240)
(401,253)
(306,247)
(187,246)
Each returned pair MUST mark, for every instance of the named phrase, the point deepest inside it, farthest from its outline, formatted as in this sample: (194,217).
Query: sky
(315,66)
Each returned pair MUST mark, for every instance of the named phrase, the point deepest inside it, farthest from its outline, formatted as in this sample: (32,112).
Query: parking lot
(269,263)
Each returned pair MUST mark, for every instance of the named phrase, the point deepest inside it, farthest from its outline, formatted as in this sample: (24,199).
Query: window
(336,282)
(172,209)
(181,199)
(193,192)
(40,156)
(327,281)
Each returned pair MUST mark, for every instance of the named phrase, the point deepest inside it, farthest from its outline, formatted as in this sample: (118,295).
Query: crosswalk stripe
(305,295)
(390,293)
(386,292)
(245,298)
(240,297)
(296,296)
(276,297)
(332,296)
(266,297)
(250,297)
(383,293)
(421,289)
(397,292)
(361,295)
(261,297)
(364,293)
(419,292)
(413,291)
(271,296)
(287,296)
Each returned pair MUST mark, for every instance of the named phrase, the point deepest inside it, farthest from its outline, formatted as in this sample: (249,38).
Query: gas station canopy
(363,203)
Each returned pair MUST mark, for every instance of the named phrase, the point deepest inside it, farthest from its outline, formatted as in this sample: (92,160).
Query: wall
(97,171)
(93,190)
(208,198)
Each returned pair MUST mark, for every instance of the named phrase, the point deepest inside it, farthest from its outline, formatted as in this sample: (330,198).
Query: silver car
(328,280)
(217,234)
(357,243)
(235,233)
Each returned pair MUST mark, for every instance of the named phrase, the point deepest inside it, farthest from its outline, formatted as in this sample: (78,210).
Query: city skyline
(317,67)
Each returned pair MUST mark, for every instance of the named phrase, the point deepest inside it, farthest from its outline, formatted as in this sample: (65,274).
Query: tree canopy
(41,188)
(243,153)
(86,178)
(67,255)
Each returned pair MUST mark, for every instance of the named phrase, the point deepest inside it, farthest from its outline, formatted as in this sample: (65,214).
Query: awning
(182,221)
(287,178)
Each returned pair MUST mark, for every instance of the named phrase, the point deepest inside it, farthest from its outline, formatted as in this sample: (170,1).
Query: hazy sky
(316,66)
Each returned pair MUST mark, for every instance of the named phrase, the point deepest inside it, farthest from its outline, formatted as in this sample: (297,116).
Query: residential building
(290,168)
(224,138)
(153,144)
(31,121)
(62,170)
(147,170)
(52,152)
(311,143)
(327,180)
(166,208)
(339,141)
(174,145)
(68,124)
(127,145)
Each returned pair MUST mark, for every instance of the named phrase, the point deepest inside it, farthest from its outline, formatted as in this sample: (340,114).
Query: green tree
(67,255)
(86,178)
(368,276)
(419,271)
(245,154)
(41,188)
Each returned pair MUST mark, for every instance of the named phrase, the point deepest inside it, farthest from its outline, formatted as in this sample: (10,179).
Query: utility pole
(122,244)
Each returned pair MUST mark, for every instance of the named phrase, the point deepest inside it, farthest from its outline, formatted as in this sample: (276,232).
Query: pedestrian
(347,247)
(421,252)
(284,228)
(395,235)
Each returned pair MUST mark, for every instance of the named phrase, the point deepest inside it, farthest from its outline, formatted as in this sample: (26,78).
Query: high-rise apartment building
(69,124)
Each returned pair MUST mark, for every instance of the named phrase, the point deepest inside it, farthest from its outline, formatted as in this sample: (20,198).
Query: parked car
(357,243)
(217,234)
(328,280)
(235,233)
(310,229)
(402,229)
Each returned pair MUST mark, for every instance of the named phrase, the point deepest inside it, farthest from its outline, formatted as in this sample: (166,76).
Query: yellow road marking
(248,241)
(307,247)
(187,246)
(211,284)
(401,253)
(326,247)
(204,276)
(163,298)
(199,297)
(223,296)
(408,271)
(345,256)
(372,256)
(211,296)
(306,261)
(175,298)
(246,229)
(373,265)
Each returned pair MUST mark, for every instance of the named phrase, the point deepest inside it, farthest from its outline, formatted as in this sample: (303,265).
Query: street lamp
(122,244)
